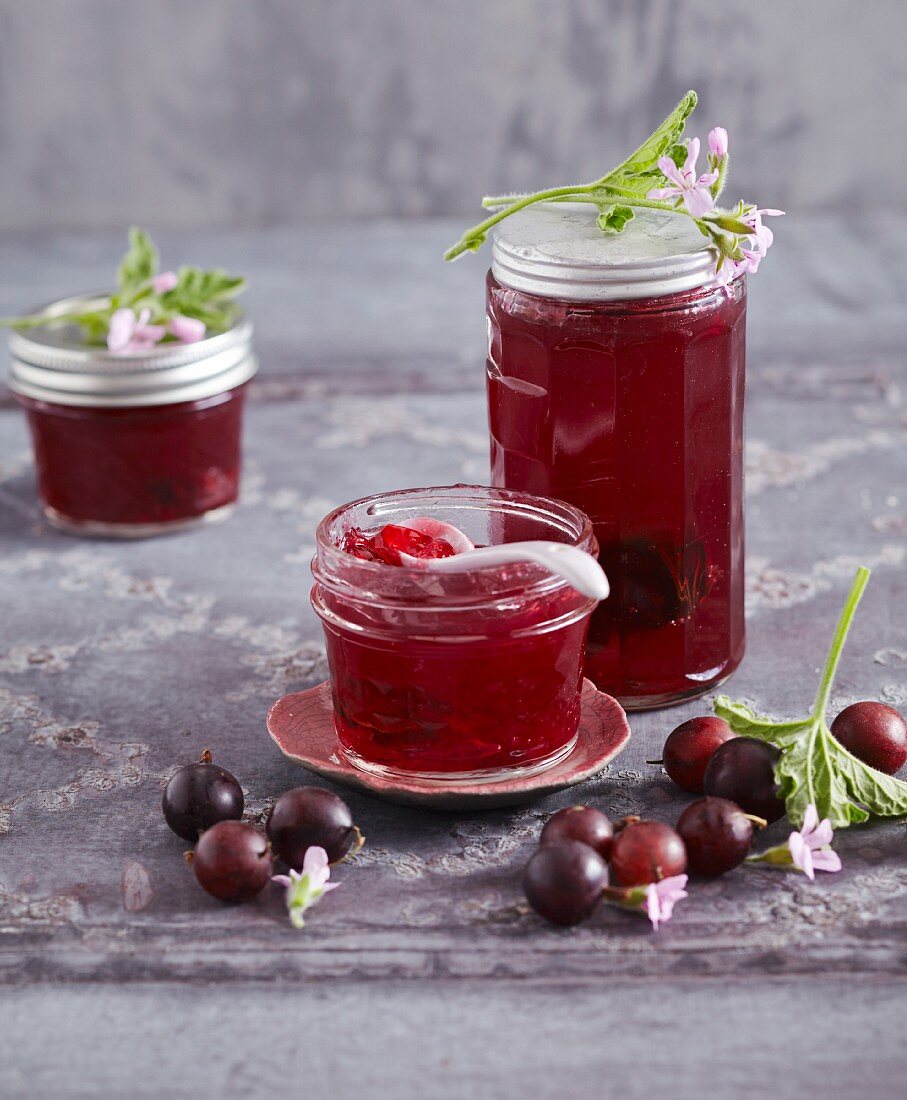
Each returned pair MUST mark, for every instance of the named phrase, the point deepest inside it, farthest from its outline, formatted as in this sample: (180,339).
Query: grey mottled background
(226,112)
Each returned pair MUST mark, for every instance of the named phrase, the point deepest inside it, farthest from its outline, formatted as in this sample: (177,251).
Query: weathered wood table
(423,976)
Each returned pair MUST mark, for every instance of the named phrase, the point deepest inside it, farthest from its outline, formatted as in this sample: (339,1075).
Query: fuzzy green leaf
(881,794)
(612,219)
(657,144)
(744,721)
(138,265)
(813,766)
(807,774)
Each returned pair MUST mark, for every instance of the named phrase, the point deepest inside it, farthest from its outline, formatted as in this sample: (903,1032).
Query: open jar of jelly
(615,382)
(472,675)
(135,444)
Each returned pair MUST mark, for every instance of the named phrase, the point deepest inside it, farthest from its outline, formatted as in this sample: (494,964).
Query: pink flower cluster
(131,331)
(697,194)
(758,243)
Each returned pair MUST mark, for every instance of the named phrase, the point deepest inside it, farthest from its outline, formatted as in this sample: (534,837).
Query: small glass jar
(472,676)
(615,381)
(134,444)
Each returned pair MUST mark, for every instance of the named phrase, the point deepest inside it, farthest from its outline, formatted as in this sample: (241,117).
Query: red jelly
(391,541)
(610,391)
(135,444)
(138,468)
(456,675)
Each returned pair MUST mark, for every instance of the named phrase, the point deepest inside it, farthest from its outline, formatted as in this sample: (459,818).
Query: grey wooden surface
(225,112)
(423,976)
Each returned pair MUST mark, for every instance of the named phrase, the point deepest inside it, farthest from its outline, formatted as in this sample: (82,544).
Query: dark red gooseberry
(232,861)
(743,770)
(689,748)
(310,816)
(564,881)
(582,823)
(198,796)
(717,835)
(874,733)
(647,851)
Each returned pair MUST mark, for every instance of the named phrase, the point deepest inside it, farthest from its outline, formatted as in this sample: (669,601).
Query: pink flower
(306,887)
(759,240)
(810,848)
(718,142)
(127,332)
(761,237)
(661,897)
(167,280)
(186,329)
(694,193)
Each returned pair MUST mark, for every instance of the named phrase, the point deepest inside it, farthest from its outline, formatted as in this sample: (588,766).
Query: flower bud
(718,142)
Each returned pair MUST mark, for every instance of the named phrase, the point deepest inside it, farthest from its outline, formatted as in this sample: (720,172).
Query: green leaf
(807,774)
(612,219)
(745,721)
(813,766)
(196,284)
(881,794)
(138,265)
(658,143)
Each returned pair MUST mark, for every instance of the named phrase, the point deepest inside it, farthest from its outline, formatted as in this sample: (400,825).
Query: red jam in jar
(138,444)
(615,382)
(470,675)
(161,464)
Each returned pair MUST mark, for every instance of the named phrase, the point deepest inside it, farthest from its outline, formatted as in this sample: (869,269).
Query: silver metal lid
(52,364)
(556,250)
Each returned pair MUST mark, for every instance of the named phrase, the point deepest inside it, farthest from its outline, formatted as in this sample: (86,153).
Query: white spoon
(576,566)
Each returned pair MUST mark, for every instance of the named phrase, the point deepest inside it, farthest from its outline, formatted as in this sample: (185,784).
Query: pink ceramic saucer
(303,727)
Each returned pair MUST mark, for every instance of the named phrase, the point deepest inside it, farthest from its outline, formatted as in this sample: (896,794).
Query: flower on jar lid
(695,194)
(131,332)
(188,330)
(167,280)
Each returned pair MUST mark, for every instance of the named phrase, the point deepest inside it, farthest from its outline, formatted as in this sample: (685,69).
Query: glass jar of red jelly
(474,675)
(615,382)
(135,444)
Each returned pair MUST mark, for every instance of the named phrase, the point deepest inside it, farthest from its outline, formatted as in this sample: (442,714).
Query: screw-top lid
(53,364)
(556,250)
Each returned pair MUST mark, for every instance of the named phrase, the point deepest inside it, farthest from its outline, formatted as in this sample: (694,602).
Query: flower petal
(698,201)
(797,846)
(315,859)
(810,820)
(821,836)
(121,328)
(669,168)
(189,330)
(692,156)
(662,194)
(653,905)
(826,860)
(167,280)
(282,880)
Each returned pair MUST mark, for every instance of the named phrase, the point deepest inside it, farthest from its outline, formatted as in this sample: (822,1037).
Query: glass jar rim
(376,582)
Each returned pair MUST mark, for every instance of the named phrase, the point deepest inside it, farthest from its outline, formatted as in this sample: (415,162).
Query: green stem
(837,643)
(476,235)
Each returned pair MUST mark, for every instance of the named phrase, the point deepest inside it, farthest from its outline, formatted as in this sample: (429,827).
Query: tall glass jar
(472,675)
(135,444)
(615,382)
